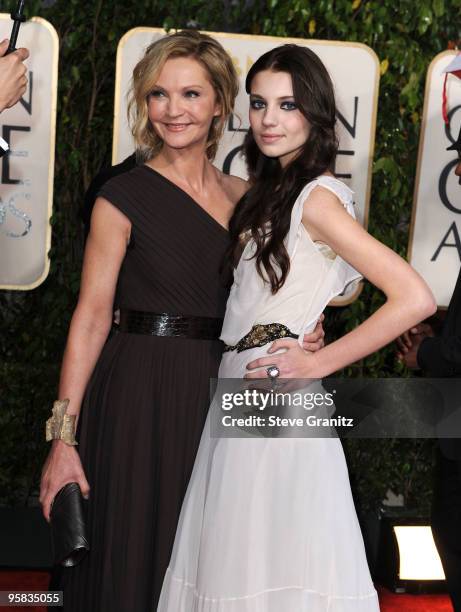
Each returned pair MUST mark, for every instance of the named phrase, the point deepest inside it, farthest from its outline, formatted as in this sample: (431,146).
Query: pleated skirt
(139,431)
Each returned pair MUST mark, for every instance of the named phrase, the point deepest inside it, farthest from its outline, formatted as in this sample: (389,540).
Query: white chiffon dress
(269,524)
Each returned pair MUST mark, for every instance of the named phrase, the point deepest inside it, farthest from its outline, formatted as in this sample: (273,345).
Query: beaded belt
(151,324)
(259,335)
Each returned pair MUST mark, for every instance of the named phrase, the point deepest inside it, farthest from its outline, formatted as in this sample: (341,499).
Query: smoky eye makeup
(256,102)
(288,105)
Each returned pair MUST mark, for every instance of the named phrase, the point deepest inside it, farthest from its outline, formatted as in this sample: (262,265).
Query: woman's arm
(89,328)
(409,300)
(92,318)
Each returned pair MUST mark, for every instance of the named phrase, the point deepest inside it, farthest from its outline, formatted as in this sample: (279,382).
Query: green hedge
(405,35)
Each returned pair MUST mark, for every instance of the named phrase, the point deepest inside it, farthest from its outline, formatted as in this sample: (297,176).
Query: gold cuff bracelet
(61,426)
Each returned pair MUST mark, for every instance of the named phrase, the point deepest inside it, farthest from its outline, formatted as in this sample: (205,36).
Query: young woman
(158,234)
(269,525)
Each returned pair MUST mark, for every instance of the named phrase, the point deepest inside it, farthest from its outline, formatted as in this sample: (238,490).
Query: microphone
(18,17)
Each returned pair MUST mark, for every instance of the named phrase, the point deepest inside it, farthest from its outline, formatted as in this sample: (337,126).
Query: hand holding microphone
(13,80)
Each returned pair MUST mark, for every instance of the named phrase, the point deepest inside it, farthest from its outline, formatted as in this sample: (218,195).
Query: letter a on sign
(433,249)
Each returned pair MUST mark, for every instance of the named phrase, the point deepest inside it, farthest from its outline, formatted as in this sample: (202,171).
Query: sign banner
(27,172)
(435,242)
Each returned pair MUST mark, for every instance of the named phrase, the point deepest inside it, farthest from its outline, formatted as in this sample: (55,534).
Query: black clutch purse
(68,531)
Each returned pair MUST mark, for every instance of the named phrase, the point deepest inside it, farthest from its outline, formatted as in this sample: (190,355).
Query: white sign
(435,241)
(27,172)
(354,69)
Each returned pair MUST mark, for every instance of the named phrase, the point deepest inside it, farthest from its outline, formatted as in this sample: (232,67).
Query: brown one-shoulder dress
(147,400)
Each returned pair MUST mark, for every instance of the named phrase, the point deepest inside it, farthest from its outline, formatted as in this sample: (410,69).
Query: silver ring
(273,372)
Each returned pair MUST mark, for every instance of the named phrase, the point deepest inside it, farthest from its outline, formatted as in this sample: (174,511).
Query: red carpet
(389,602)
(392,602)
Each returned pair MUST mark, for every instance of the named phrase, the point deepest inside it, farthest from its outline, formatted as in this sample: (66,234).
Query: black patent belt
(151,324)
(259,335)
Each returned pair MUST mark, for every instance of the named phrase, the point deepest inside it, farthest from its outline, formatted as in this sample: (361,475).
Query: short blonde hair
(187,43)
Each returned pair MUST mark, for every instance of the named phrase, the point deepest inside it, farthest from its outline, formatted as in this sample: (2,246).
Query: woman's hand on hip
(63,465)
(316,339)
(294,362)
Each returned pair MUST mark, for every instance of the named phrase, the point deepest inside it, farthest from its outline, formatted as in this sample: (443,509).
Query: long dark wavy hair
(265,209)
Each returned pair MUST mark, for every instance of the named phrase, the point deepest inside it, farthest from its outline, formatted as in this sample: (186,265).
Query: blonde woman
(158,234)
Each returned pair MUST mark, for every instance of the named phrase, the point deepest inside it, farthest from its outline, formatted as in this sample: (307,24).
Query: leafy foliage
(406,36)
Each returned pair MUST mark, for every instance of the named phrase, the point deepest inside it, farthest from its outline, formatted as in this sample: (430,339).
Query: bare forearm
(86,339)
(381,328)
